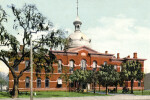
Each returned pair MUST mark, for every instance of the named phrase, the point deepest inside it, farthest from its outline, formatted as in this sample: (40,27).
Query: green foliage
(132,71)
(29,20)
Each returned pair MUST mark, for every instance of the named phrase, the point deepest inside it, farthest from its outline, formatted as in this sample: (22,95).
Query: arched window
(38,82)
(105,62)
(120,68)
(94,65)
(27,64)
(71,64)
(27,82)
(59,66)
(83,64)
(115,67)
(47,82)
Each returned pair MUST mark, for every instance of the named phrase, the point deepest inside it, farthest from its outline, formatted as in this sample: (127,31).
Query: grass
(51,94)
(66,94)
(136,92)
(4,95)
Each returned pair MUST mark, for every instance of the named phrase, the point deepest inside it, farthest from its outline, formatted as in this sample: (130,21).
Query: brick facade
(76,55)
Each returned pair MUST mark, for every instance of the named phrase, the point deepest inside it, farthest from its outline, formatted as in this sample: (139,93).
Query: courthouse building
(80,55)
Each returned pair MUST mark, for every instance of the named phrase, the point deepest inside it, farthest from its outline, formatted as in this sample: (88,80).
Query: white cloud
(121,34)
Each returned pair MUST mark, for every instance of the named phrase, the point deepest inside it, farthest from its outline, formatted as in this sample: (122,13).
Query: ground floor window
(27,82)
(59,83)
(139,83)
(38,82)
(47,82)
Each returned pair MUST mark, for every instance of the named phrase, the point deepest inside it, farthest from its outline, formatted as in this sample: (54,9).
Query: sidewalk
(115,97)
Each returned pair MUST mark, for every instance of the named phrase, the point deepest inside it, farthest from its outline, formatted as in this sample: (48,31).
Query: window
(94,65)
(115,67)
(27,64)
(83,64)
(59,66)
(47,82)
(139,83)
(27,82)
(105,62)
(16,68)
(120,68)
(38,82)
(71,64)
(59,82)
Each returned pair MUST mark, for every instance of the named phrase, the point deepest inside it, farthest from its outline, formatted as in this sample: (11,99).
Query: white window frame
(59,66)
(94,65)
(38,79)
(27,81)
(83,64)
(71,65)
(46,80)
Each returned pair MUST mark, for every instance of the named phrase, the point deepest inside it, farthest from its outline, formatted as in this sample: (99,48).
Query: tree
(65,76)
(116,78)
(133,71)
(79,76)
(99,78)
(29,20)
(107,76)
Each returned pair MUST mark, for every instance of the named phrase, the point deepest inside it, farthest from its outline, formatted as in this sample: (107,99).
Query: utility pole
(31,71)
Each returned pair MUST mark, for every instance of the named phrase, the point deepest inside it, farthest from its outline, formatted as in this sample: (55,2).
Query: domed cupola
(77,23)
(78,38)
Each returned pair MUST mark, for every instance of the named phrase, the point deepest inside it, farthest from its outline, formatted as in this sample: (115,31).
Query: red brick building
(80,55)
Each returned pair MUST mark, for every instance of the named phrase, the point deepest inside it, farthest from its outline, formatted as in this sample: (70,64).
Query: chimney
(134,55)
(21,47)
(106,52)
(118,55)
(128,56)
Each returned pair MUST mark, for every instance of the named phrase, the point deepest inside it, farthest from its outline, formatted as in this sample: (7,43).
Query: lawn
(51,94)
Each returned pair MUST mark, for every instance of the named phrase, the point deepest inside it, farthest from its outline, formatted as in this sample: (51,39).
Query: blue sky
(119,26)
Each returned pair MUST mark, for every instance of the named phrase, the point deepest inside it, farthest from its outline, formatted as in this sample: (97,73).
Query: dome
(78,39)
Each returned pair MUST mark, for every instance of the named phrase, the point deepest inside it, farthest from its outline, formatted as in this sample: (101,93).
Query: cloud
(123,35)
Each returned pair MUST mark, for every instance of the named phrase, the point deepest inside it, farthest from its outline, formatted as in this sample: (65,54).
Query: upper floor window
(38,82)
(27,82)
(94,65)
(83,64)
(16,68)
(105,62)
(47,82)
(71,64)
(120,68)
(115,67)
(59,66)
(27,64)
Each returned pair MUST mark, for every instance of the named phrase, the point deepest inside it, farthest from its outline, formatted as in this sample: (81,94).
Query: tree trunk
(15,88)
(1,87)
(99,87)
(116,88)
(94,87)
(132,86)
(87,87)
(106,89)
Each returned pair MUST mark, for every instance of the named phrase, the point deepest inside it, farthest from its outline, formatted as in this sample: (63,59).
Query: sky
(116,26)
